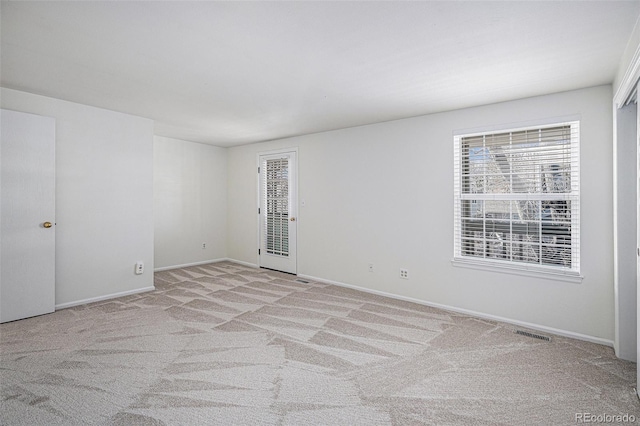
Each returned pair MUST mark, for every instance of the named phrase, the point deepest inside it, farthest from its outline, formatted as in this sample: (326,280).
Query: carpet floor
(224,344)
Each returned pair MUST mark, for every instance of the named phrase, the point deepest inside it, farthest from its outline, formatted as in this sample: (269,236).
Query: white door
(277,211)
(27,215)
(637,245)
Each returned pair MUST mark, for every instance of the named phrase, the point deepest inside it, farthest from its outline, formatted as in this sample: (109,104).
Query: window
(517,199)
(276,206)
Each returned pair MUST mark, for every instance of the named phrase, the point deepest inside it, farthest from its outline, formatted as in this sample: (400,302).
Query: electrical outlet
(404,274)
(139,268)
(371,267)
(204,246)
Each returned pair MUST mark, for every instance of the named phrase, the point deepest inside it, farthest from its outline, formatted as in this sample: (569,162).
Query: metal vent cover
(533,335)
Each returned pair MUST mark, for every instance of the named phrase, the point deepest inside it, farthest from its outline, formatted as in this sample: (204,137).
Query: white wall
(383,194)
(190,202)
(379,194)
(104,197)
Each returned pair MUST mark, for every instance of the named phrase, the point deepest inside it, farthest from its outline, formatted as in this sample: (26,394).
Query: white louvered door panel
(277,212)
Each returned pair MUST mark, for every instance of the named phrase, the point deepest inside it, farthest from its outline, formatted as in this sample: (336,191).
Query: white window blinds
(276,206)
(517,197)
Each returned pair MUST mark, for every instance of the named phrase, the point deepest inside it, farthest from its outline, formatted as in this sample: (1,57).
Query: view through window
(517,197)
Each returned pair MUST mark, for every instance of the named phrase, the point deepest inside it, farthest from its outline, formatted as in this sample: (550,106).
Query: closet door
(27,215)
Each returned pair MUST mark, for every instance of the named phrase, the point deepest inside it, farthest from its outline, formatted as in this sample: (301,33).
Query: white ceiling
(229,73)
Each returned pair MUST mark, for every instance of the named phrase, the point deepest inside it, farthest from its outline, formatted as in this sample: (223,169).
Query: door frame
(626,88)
(259,200)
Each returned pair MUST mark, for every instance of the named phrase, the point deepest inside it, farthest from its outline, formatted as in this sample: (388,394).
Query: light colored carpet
(225,344)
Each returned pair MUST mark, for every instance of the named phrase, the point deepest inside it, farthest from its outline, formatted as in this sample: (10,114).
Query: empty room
(319,213)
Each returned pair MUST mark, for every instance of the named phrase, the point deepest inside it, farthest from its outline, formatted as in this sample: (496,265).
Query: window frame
(562,273)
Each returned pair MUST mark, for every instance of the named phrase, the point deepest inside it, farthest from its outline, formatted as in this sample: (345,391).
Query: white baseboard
(205,262)
(186,265)
(105,297)
(532,326)
(240,262)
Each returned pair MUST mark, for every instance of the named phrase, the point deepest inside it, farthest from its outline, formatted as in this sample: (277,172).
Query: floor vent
(535,336)
(299,280)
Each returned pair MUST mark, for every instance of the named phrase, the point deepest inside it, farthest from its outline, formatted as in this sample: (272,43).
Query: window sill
(523,270)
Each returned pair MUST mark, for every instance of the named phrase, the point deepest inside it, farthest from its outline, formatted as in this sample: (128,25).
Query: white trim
(186,265)
(628,84)
(105,297)
(629,81)
(240,262)
(206,262)
(532,326)
(616,255)
(518,126)
(518,269)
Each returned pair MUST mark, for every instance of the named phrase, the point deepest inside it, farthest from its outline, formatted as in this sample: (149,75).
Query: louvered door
(277,212)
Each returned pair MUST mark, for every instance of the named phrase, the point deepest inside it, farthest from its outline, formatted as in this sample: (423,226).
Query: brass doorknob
(47,224)
(293,219)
